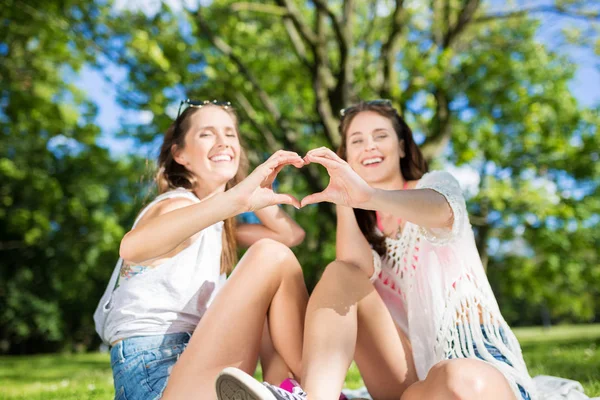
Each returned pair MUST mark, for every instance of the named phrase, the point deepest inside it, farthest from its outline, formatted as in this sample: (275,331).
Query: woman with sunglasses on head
(407,297)
(168,311)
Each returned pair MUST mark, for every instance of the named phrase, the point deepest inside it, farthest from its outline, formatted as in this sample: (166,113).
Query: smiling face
(373,148)
(211,149)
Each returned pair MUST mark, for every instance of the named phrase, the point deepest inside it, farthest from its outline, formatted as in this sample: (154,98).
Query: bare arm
(350,243)
(275,224)
(423,207)
(172,222)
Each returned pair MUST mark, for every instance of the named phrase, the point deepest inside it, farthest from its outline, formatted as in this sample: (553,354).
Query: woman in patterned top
(407,297)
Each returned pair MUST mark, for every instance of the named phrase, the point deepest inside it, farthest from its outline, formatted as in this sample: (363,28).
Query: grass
(568,351)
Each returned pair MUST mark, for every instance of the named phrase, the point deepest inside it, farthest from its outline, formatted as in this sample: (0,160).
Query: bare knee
(273,255)
(416,391)
(460,379)
(270,250)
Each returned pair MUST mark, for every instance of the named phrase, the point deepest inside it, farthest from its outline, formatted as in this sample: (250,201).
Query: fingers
(296,162)
(324,152)
(283,157)
(280,153)
(314,198)
(324,161)
(283,198)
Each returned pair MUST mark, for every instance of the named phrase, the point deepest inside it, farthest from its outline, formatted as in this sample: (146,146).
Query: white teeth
(220,157)
(372,161)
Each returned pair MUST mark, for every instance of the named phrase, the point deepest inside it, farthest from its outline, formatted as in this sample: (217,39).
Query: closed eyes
(210,132)
(377,137)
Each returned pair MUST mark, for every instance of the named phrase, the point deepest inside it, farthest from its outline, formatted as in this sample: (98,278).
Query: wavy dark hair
(412,166)
(172,175)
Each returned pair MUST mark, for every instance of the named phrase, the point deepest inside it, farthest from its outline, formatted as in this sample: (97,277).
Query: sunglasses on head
(202,103)
(377,102)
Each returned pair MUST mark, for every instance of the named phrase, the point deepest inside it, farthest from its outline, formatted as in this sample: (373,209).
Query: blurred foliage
(64,202)
(473,82)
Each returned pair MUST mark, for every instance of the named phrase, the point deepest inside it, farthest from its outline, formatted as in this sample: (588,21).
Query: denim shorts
(141,365)
(497,354)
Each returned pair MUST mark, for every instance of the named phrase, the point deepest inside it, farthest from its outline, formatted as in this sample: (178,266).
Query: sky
(585,86)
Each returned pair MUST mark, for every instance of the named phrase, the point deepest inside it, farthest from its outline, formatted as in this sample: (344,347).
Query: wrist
(237,201)
(369,202)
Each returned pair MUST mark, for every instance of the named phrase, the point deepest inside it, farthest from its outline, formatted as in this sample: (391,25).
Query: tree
(64,200)
(474,84)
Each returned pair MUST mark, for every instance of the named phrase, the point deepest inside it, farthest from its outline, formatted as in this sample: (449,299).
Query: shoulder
(169,202)
(437,178)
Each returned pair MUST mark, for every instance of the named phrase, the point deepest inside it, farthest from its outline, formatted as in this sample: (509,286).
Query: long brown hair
(412,166)
(172,175)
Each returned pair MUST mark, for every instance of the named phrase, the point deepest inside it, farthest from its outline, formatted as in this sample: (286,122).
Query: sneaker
(289,385)
(235,384)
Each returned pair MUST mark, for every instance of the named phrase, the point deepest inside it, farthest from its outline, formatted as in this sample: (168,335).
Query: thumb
(284,198)
(314,198)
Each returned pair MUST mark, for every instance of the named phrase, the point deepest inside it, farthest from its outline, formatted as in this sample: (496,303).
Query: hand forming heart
(345,188)
(256,191)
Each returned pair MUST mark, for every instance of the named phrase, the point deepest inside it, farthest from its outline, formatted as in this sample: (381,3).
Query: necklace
(380,223)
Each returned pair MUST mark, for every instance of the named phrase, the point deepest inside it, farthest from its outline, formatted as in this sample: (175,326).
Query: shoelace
(298,391)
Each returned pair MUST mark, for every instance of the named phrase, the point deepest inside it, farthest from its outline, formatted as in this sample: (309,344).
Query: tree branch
(388,50)
(347,12)
(297,28)
(251,114)
(540,9)
(436,26)
(321,85)
(437,142)
(343,91)
(298,31)
(441,129)
(335,22)
(312,176)
(464,17)
(227,51)
(296,42)
(257,7)
(366,46)
(342,28)
(292,12)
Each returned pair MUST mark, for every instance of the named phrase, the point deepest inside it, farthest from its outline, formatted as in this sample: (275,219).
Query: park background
(504,95)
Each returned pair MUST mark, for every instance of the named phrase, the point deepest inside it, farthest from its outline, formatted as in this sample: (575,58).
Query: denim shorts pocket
(125,371)
(130,380)
(158,364)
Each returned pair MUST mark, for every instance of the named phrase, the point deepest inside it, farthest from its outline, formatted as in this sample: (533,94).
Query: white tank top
(168,298)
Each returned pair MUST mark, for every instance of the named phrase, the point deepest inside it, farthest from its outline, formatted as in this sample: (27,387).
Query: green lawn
(569,351)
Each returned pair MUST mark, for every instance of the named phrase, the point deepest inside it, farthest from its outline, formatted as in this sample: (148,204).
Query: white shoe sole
(235,384)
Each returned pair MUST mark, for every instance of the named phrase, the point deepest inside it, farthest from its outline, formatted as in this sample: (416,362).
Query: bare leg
(461,379)
(345,314)
(268,279)
(274,368)
(383,352)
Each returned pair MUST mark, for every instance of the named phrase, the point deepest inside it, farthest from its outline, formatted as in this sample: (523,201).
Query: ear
(401,148)
(179,155)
